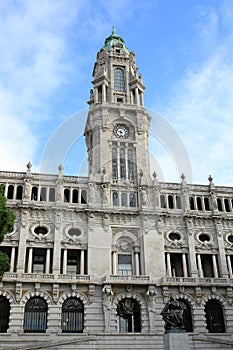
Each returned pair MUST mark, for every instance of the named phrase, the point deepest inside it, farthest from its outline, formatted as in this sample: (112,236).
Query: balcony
(42,277)
(127,279)
(73,278)
(193,281)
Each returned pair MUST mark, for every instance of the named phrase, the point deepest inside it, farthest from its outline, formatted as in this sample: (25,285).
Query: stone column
(29,269)
(12,264)
(169,268)
(221,248)
(199,264)
(184,263)
(57,244)
(64,270)
(47,263)
(82,263)
(136,259)
(136,96)
(192,251)
(229,266)
(103,93)
(114,262)
(215,267)
(23,234)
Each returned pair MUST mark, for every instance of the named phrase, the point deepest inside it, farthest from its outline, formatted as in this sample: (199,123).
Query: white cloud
(32,55)
(201,108)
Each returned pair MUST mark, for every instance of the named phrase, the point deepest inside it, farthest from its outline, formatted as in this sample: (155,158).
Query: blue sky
(184,50)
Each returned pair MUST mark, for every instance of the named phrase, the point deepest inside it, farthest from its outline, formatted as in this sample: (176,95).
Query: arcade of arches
(128,316)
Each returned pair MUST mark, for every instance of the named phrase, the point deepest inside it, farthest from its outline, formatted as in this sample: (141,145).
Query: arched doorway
(4,314)
(214,317)
(128,316)
(35,316)
(72,320)
(187,316)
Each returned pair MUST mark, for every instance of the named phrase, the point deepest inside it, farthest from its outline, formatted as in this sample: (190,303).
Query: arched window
(191,201)
(128,316)
(115,200)
(131,166)
(52,194)
(207,204)
(66,195)
(132,200)
(170,202)
(83,197)
(75,196)
(119,81)
(226,204)
(214,317)
(123,200)
(219,203)
(178,202)
(114,164)
(10,192)
(19,192)
(187,316)
(34,195)
(122,164)
(72,319)
(4,314)
(43,193)
(162,201)
(35,316)
(199,203)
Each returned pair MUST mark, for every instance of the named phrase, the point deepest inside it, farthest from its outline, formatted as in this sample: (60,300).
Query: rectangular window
(125,265)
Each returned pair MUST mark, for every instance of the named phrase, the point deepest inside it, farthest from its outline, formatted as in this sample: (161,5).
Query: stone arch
(188,316)
(217,297)
(32,294)
(78,295)
(10,297)
(215,314)
(125,234)
(142,303)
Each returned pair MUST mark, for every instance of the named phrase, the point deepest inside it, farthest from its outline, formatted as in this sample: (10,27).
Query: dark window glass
(75,196)
(72,320)
(178,202)
(119,81)
(52,194)
(19,192)
(129,316)
(207,203)
(66,195)
(43,193)
(34,195)
(4,314)
(214,317)
(84,197)
(219,203)
(10,192)
(199,203)
(170,202)
(191,201)
(162,201)
(35,316)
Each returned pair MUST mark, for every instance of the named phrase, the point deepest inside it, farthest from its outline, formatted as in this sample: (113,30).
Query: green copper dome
(114,40)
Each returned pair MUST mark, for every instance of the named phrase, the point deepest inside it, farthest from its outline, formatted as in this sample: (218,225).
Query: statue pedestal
(176,340)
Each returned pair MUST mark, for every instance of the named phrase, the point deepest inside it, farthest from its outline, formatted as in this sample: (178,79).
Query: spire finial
(113,30)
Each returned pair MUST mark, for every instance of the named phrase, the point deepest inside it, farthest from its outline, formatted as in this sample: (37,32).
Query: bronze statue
(172,314)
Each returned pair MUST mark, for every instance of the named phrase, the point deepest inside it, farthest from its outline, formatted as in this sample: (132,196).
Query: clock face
(121,131)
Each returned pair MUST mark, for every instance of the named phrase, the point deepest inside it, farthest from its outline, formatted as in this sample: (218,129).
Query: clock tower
(117,126)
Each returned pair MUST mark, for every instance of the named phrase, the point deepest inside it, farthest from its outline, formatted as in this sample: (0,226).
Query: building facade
(93,260)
